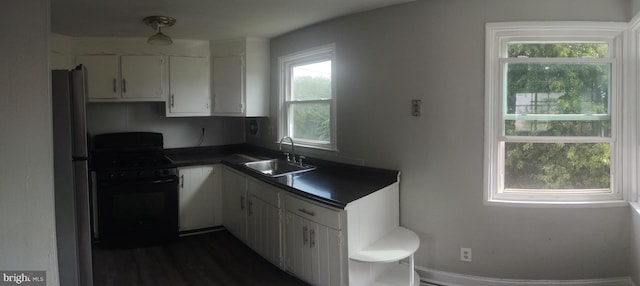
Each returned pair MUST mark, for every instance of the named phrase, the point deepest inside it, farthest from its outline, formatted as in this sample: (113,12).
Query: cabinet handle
(307,212)
(182,181)
(249,207)
(172,100)
(304,235)
(241,202)
(312,239)
(114,86)
(124,85)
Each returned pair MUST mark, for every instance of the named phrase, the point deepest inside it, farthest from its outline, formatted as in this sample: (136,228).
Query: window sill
(546,204)
(307,146)
(635,206)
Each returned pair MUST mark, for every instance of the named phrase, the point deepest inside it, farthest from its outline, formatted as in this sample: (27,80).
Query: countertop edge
(234,156)
(287,188)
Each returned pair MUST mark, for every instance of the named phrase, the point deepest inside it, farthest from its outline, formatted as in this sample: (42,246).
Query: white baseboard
(430,276)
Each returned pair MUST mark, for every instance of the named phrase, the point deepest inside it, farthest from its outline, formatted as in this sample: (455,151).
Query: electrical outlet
(465,254)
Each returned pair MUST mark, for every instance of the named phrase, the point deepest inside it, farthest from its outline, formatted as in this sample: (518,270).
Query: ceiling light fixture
(157,23)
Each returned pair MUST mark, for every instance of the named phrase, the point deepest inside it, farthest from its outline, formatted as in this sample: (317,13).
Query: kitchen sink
(277,167)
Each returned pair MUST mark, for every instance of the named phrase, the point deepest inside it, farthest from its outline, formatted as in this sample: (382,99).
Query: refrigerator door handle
(78,109)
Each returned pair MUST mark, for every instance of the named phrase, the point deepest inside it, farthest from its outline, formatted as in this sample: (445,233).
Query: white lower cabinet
(234,198)
(252,213)
(200,197)
(309,239)
(313,251)
(377,243)
(263,221)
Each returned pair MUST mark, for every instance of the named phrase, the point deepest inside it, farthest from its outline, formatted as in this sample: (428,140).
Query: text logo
(23,278)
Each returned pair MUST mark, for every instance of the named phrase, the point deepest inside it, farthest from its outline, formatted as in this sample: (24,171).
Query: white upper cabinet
(142,76)
(240,77)
(189,87)
(103,76)
(124,78)
(228,85)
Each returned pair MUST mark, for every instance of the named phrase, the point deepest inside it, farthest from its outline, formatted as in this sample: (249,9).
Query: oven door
(138,211)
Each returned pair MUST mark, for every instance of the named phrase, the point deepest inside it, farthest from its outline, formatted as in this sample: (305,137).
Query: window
(307,97)
(553,113)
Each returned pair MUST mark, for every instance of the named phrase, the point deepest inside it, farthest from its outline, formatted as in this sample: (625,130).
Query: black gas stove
(137,189)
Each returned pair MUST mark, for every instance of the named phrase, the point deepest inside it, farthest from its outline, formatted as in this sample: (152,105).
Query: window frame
(286,64)
(498,36)
(632,106)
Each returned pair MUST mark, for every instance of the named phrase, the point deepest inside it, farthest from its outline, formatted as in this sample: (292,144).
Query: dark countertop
(184,157)
(334,184)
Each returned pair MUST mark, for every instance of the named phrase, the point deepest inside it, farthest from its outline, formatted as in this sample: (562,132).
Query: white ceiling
(199,19)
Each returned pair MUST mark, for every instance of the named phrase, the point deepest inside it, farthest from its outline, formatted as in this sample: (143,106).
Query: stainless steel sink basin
(277,167)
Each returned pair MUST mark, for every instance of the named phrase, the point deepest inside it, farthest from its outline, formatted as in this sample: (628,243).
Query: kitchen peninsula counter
(333,184)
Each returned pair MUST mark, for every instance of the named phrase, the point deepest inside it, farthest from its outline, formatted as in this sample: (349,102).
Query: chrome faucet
(293,150)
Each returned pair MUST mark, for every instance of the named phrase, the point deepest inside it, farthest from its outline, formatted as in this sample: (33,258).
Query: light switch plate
(416,107)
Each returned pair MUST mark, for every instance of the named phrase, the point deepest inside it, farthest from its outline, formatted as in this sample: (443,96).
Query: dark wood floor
(215,258)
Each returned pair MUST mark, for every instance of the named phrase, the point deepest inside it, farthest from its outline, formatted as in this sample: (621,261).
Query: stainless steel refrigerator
(71,177)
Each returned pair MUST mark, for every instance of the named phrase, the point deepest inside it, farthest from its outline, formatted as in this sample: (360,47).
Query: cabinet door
(326,256)
(189,86)
(142,76)
(263,221)
(313,252)
(234,199)
(103,76)
(196,197)
(228,81)
(298,253)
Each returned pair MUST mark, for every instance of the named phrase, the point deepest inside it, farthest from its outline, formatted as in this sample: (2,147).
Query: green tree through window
(313,119)
(557,99)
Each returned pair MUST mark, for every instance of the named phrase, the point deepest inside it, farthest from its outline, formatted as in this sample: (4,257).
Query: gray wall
(434,51)
(635,7)
(27,225)
(150,116)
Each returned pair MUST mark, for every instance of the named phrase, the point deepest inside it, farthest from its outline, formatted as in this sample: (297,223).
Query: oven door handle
(169,180)
(142,181)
